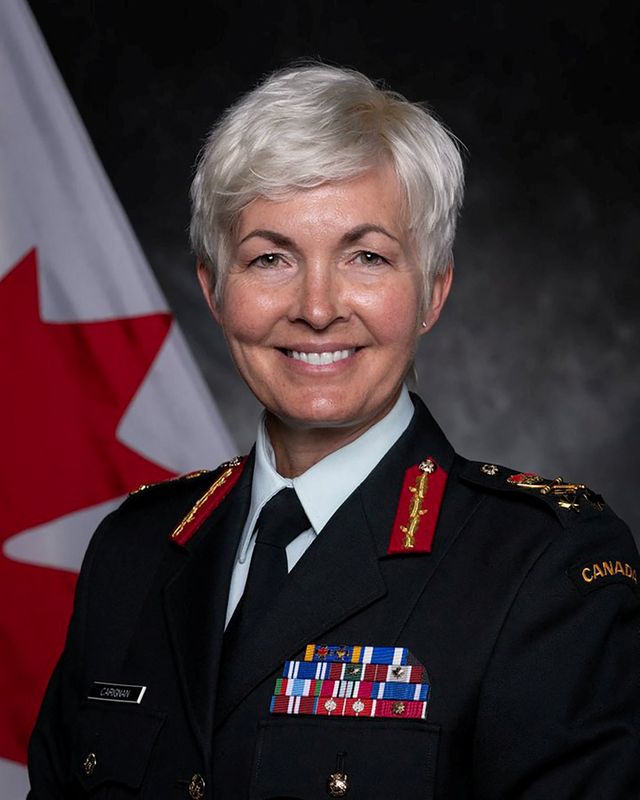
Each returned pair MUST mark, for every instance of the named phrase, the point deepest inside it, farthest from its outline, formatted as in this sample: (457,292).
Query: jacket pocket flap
(113,745)
(378,759)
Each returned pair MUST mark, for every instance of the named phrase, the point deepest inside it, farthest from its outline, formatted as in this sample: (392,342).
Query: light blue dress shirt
(322,489)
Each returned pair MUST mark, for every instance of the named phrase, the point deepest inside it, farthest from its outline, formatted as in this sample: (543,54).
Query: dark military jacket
(524,615)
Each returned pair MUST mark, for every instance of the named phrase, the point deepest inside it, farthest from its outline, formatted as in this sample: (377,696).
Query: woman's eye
(370,259)
(267,260)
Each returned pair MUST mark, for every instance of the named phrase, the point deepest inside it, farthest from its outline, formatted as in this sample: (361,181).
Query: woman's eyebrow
(361,230)
(279,239)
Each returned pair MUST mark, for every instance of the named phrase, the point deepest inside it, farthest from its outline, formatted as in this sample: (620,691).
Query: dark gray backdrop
(535,361)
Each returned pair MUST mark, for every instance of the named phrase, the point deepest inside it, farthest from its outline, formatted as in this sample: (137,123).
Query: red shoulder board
(417,515)
(209,501)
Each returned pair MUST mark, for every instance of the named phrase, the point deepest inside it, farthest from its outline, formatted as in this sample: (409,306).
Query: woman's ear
(207,287)
(439,292)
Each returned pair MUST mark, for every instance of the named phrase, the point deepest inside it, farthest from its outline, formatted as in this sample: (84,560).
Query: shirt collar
(324,487)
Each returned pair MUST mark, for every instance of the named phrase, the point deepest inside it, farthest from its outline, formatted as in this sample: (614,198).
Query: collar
(324,487)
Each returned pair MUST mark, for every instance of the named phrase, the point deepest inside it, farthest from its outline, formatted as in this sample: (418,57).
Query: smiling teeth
(320,359)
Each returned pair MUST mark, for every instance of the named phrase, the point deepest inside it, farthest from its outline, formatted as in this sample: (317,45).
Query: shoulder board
(224,479)
(184,477)
(566,499)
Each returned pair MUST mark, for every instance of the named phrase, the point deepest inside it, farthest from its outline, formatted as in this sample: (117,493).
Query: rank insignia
(353,681)
(417,514)
(226,478)
(568,496)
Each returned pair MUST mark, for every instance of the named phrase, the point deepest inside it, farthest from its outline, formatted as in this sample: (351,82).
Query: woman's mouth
(322,358)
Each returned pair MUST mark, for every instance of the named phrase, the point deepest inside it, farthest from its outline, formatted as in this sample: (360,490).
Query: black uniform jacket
(524,614)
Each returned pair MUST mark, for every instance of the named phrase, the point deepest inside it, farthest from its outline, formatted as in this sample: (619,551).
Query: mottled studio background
(535,361)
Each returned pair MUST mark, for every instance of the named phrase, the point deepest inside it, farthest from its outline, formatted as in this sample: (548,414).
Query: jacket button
(89,764)
(196,787)
(337,785)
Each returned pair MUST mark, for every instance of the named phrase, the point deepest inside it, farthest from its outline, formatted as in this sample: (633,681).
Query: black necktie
(280,522)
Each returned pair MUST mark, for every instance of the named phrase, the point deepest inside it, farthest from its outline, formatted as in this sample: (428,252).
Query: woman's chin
(329,414)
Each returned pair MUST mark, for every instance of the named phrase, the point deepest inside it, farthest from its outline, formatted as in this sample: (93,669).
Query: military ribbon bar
(354,672)
(357,654)
(363,689)
(341,707)
(353,680)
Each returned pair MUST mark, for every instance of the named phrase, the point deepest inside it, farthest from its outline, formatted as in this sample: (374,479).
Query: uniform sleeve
(50,744)
(559,714)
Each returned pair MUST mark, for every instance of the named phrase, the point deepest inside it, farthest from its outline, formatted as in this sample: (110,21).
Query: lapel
(407,575)
(195,602)
(347,568)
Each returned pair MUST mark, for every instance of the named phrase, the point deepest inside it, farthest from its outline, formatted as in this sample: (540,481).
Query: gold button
(398,708)
(89,764)
(196,787)
(337,785)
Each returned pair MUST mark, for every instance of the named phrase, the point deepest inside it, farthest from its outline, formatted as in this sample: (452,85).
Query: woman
(353,609)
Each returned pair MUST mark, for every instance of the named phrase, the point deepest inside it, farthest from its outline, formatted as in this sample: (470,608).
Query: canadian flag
(99,391)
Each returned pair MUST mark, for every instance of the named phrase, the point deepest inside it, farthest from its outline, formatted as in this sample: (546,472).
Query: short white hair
(306,125)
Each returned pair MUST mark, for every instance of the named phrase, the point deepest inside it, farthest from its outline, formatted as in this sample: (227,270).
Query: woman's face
(321,306)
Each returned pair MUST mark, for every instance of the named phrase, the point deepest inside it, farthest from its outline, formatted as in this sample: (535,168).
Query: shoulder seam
(183,477)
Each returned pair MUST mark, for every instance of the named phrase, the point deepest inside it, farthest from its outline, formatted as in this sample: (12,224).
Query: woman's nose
(320,297)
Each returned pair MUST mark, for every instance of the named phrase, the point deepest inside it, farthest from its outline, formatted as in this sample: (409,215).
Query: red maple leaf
(66,387)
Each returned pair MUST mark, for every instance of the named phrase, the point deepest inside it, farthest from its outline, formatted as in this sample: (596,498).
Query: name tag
(116,692)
